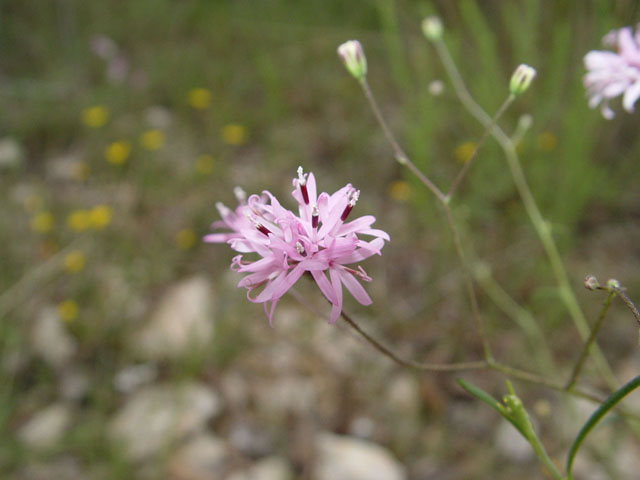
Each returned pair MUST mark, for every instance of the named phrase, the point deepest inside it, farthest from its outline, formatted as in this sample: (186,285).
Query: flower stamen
(302,182)
(353,199)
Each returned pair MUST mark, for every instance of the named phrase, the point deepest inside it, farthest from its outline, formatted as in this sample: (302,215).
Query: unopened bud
(432,28)
(352,55)
(521,79)
(613,284)
(591,282)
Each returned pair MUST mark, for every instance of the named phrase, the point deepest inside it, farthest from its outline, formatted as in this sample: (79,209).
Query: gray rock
(180,324)
(74,384)
(202,458)
(50,340)
(510,443)
(11,153)
(271,468)
(46,427)
(345,458)
(158,415)
(133,376)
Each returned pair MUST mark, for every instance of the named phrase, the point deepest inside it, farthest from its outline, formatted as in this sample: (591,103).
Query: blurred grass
(271,68)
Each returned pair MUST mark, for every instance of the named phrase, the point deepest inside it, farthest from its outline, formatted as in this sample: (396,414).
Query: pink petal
(630,96)
(356,225)
(324,285)
(354,287)
(337,290)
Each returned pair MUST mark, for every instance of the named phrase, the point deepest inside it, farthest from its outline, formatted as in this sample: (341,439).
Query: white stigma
(315,212)
(240,194)
(302,178)
(353,197)
(299,248)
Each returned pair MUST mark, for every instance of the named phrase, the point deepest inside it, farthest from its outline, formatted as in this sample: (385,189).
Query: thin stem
(590,340)
(539,223)
(404,159)
(519,315)
(468,281)
(483,139)
(400,156)
(426,367)
(628,302)
(512,372)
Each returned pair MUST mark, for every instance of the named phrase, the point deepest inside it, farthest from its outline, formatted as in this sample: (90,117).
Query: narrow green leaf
(489,400)
(602,410)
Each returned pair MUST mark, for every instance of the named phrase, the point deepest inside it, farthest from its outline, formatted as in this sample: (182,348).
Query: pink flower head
(610,74)
(316,240)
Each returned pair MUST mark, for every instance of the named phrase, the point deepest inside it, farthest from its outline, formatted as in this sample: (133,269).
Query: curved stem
(539,223)
(591,339)
(400,156)
(404,159)
(628,302)
(483,139)
(468,281)
(512,372)
(426,367)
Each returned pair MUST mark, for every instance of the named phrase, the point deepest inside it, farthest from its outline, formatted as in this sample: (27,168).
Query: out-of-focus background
(126,350)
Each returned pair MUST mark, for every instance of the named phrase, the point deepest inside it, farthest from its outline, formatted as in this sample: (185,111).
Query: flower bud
(352,55)
(591,282)
(432,28)
(521,79)
(613,284)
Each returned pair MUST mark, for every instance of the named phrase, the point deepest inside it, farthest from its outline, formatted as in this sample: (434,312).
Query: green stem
(522,317)
(539,223)
(590,340)
(483,139)
(404,159)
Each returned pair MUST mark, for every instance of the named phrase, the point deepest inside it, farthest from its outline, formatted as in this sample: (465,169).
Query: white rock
(404,394)
(64,167)
(155,416)
(74,384)
(202,458)
(272,468)
(345,458)
(181,322)
(11,153)
(46,427)
(133,376)
(50,340)
(510,443)
(287,394)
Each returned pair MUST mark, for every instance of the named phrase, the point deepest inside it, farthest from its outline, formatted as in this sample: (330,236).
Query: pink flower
(610,74)
(316,241)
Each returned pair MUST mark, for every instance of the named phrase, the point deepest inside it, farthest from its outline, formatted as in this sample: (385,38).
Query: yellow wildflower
(199,98)
(152,139)
(185,239)
(547,141)
(78,220)
(400,191)
(100,216)
(234,134)
(204,164)
(464,151)
(117,152)
(95,117)
(74,261)
(68,310)
(42,222)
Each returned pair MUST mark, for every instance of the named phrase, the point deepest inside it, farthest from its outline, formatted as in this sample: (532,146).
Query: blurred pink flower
(610,74)
(316,240)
